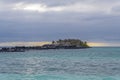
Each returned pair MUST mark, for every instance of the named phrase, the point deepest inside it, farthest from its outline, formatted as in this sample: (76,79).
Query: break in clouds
(37,20)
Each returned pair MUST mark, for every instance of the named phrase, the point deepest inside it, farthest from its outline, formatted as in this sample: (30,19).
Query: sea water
(63,64)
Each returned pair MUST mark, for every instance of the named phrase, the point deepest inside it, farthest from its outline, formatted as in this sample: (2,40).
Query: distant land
(59,44)
(23,43)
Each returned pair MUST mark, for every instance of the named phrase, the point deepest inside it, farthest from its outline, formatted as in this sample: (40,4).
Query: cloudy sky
(45,20)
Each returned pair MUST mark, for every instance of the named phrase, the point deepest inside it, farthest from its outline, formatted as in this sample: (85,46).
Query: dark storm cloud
(92,20)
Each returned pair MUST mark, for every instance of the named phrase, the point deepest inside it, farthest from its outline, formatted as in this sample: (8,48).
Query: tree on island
(71,42)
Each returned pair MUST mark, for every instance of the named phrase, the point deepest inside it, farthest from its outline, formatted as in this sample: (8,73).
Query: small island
(59,44)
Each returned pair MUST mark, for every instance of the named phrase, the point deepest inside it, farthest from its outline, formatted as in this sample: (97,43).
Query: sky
(95,21)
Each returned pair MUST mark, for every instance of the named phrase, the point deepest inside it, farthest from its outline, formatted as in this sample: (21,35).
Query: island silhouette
(59,44)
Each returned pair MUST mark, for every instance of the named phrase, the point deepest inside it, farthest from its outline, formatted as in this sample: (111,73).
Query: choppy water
(76,64)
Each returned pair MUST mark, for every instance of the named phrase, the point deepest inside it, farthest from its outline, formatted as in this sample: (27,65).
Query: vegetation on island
(71,42)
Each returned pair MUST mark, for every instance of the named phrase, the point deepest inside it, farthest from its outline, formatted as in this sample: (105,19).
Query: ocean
(101,63)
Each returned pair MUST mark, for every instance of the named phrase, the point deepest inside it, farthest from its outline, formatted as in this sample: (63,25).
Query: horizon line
(40,43)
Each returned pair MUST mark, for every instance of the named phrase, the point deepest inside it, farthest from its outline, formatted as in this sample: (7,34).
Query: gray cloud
(93,24)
